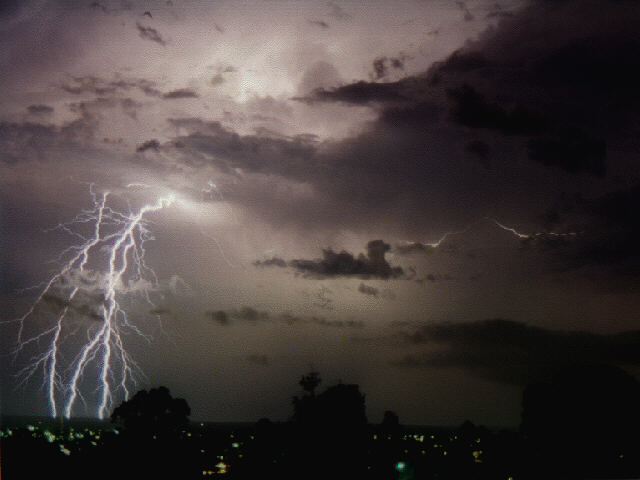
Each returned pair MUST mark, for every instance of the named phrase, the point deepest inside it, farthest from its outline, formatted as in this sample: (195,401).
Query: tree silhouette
(151,443)
(390,423)
(330,431)
(152,413)
(310,382)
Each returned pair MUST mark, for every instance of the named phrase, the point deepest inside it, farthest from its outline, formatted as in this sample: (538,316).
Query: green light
(400,466)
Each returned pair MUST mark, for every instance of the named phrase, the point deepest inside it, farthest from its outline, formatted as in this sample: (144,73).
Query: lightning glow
(86,334)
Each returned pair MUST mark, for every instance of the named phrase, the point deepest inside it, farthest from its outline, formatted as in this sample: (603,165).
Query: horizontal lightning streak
(511,230)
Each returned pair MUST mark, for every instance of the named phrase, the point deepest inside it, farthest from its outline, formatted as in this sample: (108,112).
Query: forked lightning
(108,263)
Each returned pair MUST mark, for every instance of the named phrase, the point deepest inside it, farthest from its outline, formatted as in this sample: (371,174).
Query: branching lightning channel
(531,235)
(77,341)
(511,230)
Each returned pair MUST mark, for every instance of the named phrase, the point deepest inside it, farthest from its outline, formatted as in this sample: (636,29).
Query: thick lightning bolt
(109,261)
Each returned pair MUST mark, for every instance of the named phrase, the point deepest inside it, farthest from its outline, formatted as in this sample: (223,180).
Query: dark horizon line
(10,418)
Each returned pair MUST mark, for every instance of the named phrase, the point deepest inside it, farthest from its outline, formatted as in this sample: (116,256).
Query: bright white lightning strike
(106,266)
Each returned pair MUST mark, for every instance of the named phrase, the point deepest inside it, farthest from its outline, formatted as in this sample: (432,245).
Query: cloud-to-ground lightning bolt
(109,260)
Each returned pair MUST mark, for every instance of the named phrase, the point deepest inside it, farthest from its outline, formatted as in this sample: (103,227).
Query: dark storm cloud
(513,352)
(551,143)
(368,290)
(254,317)
(89,108)
(337,12)
(291,319)
(181,93)
(112,8)
(337,323)
(216,80)
(538,90)
(611,231)
(152,144)
(498,11)
(99,6)
(382,66)
(373,265)
(562,91)
(246,314)
(502,124)
(149,33)
(472,109)
(319,23)
(603,247)
(271,262)
(102,87)
(468,16)
(90,84)
(359,93)
(286,156)
(432,278)
(340,178)
(130,107)
(220,317)
(571,149)
(40,109)
(379,68)
(31,140)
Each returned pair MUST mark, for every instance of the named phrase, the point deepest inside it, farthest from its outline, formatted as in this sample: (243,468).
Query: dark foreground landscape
(562,435)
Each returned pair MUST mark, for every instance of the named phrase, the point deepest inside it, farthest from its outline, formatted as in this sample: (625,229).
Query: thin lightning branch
(207,194)
(447,235)
(532,235)
(121,238)
(511,230)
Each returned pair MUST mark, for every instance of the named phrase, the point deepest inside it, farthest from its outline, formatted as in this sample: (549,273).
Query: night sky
(435,200)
